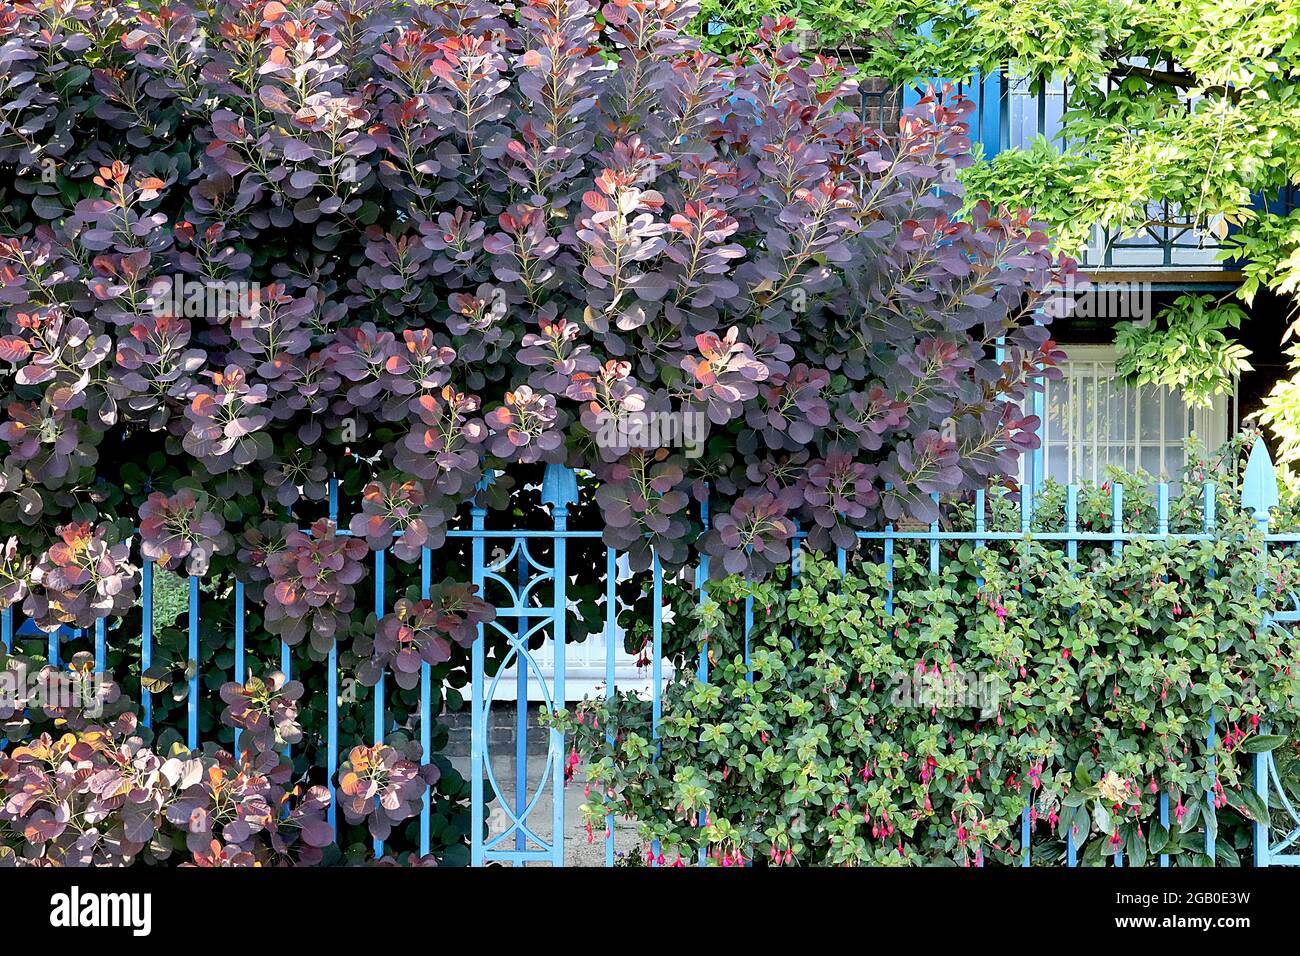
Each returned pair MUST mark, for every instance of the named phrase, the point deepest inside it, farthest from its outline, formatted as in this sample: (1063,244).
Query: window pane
(1120,406)
(1149,415)
(1086,432)
(1151,459)
(1057,408)
(1114,455)
(1173,462)
(1093,420)
(1058,462)
(1175,417)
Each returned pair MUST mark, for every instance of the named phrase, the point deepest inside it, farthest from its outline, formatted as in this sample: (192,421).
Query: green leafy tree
(1190,352)
(732,26)
(1192,102)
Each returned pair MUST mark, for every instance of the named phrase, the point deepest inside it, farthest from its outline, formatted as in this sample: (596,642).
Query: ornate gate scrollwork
(524,612)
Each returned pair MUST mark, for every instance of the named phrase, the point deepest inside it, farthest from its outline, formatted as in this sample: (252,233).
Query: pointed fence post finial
(478,511)
(559,486)
(1259,487)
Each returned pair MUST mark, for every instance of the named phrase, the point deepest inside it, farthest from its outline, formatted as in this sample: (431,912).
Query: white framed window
(1093,419)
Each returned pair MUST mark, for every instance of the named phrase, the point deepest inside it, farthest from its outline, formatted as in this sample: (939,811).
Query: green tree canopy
(1193,102)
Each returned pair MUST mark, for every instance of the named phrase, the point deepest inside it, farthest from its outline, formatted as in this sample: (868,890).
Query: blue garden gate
(1260,495)
(523,615)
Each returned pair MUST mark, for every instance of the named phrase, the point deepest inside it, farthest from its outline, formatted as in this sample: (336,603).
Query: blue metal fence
(508,845)
(534,604)
(1259,496)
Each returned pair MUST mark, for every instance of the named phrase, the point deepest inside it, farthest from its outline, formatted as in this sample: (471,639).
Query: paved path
(578,852)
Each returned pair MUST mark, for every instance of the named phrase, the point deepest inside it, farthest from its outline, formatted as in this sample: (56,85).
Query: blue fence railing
(531,608)
(13,632)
